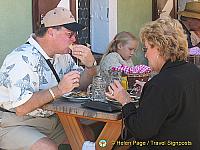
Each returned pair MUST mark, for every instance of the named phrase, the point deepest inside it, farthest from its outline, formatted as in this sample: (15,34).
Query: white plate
(72,98)
(67,94)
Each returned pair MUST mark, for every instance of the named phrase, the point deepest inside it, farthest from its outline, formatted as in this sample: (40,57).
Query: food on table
(71,46)
(78,94)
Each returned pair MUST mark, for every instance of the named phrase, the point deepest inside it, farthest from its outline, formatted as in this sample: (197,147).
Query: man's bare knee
(44,143)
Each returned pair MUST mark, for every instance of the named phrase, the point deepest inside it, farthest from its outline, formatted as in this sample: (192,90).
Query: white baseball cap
(60,16)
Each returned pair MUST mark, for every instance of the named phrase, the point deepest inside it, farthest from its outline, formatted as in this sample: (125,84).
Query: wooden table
(70,113)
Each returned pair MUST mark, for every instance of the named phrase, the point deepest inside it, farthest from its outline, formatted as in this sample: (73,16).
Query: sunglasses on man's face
(70,34)
(144,49)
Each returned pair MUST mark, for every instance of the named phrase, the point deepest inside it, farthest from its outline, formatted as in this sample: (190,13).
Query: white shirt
(25,71)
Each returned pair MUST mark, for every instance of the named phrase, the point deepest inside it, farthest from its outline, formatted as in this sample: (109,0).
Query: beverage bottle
(124,81)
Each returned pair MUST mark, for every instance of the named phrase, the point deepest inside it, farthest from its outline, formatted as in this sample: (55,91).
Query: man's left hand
(84,54)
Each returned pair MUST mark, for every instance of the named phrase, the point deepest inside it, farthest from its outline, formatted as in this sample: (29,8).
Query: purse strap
(51,67)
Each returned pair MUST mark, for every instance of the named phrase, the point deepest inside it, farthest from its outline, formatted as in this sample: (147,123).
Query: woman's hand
(116,91)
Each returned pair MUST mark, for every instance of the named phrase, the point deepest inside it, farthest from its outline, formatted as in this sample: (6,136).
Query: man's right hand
(69,82)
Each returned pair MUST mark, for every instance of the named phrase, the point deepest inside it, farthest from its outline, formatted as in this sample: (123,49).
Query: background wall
(132,15)
(16,22)
(15,26)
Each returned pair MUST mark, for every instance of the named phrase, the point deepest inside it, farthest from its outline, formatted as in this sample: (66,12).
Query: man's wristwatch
(93,65)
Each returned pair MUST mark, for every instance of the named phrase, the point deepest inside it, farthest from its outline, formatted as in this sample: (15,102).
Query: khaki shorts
(20,132)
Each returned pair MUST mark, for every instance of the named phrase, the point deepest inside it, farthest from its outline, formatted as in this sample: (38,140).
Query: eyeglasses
(70,34)
(135,49)
(144,49)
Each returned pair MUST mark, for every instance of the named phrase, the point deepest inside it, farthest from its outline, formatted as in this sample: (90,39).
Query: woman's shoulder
(110,60)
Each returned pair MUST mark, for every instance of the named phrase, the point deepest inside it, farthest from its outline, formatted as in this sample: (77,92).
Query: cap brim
(74,26)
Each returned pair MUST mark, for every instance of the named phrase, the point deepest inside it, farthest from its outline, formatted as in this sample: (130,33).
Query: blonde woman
(169,103)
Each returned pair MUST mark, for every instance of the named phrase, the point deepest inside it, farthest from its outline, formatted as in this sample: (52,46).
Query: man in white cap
(37,73)
(190,19)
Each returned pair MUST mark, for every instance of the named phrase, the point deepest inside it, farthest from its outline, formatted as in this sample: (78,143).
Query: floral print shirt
(25,71)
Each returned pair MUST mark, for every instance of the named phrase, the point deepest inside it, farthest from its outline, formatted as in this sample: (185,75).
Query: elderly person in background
(170,101)
(37,73)
(190,19)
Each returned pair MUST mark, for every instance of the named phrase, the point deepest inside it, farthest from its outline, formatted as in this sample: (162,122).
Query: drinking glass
(97,89)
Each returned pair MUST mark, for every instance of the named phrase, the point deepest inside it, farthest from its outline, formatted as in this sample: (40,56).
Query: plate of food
(78,96)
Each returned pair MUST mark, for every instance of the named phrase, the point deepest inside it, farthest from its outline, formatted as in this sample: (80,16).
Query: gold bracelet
(52,94)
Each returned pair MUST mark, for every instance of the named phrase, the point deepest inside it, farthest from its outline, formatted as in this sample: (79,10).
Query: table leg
(110,133)
(73,130)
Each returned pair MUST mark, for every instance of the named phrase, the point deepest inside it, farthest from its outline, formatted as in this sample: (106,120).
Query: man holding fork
(37,73)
